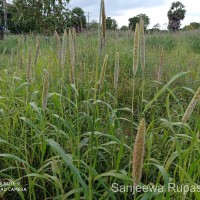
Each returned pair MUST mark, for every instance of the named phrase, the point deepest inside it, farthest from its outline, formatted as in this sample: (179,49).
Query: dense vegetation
(47,16)
(81,141)
(42,16)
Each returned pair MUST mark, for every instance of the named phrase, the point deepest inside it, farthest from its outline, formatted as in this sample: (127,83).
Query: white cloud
(122,10)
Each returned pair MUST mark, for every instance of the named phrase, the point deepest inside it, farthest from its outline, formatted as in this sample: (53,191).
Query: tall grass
(75,143)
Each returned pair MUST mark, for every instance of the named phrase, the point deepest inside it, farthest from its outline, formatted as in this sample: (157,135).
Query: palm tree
(175,15)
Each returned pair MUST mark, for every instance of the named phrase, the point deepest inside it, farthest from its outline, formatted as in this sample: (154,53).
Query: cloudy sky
(122,10)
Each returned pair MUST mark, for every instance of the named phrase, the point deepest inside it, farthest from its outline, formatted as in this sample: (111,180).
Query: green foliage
(167,41)
(194,43)
(93,25)
(175,15)
(78,147)
(78,19)
(38,16)
(192,26)
(134,20)
(44,17)
(8,45)
(124,28)
(111,24)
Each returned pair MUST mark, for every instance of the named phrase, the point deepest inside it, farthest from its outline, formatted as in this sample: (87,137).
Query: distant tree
(10,14)
(93,25)
(175,15)
(78,19)
(192,26)
(111,24)
(134,20)
(157,26)
(124,28)
(187,28)
(41,16)
(195,25)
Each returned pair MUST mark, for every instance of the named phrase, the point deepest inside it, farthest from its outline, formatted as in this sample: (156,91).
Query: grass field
(69,116)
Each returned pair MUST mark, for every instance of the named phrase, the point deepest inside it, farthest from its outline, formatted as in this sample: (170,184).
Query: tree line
(49,15)
(43,16)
